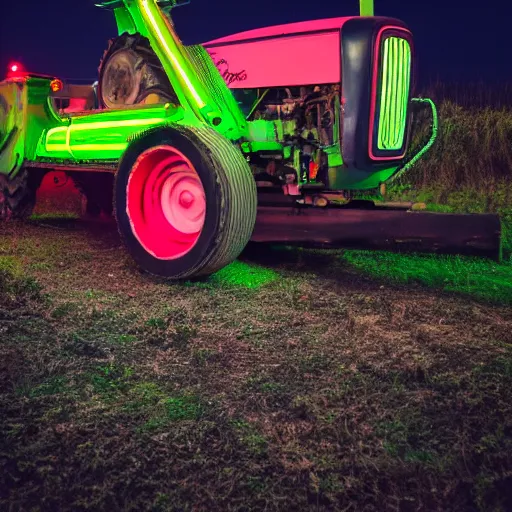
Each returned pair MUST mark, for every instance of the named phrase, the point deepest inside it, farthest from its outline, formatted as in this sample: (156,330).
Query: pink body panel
(294,54)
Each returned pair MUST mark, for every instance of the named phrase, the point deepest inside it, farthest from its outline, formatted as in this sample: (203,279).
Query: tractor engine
(302,120)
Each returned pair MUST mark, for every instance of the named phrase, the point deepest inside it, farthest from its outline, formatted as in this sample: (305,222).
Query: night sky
(454,42)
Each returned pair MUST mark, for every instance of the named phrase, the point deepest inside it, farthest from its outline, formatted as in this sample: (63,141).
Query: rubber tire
(231,201)
(18,195)
(153,81)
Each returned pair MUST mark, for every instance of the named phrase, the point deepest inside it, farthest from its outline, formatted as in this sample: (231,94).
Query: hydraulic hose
(430,142)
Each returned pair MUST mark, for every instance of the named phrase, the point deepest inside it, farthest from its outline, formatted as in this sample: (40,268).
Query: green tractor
(199,149)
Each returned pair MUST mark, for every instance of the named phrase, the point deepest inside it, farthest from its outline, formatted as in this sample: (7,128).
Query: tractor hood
(281,56)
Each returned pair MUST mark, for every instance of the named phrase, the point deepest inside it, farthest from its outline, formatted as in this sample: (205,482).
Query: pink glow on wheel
(166,203)
(183,202)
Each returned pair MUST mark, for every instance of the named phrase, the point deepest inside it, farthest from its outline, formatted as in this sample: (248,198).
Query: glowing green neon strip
(86,147)
(405,85)
(65,132)
(384,92)
(396,75)
(400,78)
(59,129)
(394,87)
(94,125)
(57,148)
(175,61)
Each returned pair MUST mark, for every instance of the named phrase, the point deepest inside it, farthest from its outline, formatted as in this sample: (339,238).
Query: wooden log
(468,234)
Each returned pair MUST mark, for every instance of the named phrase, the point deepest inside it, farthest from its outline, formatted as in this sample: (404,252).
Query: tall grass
(472,156)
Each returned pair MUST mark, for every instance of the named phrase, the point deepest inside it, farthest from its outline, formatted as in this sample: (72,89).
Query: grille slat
(395,84)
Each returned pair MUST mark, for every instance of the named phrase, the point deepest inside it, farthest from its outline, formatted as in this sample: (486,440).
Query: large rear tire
(130,72)
(185,202)
(18,195)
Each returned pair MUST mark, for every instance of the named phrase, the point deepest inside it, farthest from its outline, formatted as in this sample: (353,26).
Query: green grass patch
(144,396)
(95,330)
(56,215)
(170,409)
(249,436)
(53,386)
(201,357)
(63,310)
(480,278)
(244,275)
(11,266)
(109,381)
(14,281)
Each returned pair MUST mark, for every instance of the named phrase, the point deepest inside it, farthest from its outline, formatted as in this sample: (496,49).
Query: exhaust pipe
(366,7)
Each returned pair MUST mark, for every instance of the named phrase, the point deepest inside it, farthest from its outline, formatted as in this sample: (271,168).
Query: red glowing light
(56,85)
(15,70)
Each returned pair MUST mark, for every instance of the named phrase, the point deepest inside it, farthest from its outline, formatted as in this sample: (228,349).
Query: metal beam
(381,228)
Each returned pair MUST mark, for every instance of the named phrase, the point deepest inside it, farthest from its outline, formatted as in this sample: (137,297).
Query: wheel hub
(166,202)
(186,199)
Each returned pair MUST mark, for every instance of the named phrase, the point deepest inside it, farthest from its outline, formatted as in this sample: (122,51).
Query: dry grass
(288,381)
(473,152)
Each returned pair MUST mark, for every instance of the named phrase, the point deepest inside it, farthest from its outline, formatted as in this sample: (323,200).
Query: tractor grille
(395,79)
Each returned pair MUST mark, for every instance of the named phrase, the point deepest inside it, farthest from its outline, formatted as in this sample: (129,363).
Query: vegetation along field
(291,380)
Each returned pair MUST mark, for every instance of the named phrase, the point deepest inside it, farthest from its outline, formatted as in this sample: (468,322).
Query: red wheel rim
(165,202)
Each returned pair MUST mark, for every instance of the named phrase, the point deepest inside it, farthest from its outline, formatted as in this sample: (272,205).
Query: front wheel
(185,202)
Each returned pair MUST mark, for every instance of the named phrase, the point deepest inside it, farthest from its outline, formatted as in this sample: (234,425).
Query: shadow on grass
(476,277)
(480,278)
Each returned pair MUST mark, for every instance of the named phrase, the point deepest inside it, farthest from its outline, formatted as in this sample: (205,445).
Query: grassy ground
(291,380)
